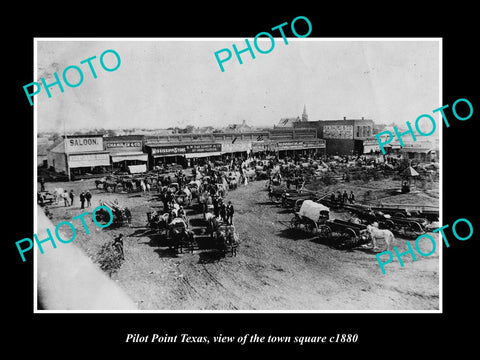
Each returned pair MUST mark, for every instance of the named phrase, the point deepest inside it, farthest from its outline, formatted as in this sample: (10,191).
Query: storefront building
(186,154)
(80,156)
(343,137)
(299,148)
(126,153)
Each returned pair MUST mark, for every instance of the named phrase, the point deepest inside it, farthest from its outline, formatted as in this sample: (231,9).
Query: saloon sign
(83,144)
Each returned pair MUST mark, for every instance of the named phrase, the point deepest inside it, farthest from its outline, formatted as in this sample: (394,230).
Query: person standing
(345,197)
(339,198)
(230,210)
(42,184)
(88,197)
(65,197)
(223,211)
(351,198)
(181,213)
(215,202)
(82,200)
(72,196)
(180,180)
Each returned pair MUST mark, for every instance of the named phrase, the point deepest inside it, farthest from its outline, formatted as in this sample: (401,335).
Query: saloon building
(79,155)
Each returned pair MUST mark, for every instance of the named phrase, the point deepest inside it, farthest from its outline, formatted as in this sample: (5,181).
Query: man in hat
(82,200)
(72,196)
(223,211)
(88,197)
(230,210)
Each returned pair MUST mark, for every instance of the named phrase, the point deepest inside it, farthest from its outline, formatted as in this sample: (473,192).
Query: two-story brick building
(343,137)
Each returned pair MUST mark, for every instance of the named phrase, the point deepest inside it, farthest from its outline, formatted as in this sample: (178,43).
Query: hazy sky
(167,83)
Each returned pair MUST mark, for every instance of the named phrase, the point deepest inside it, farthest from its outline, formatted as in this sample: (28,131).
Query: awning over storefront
(136,169)
(137,155)
(201,155)
(88,159)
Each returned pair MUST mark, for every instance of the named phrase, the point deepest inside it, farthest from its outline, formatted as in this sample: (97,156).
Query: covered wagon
(311,215)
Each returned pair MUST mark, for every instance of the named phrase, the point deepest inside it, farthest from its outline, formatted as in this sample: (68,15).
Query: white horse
(58,193)
(377,233)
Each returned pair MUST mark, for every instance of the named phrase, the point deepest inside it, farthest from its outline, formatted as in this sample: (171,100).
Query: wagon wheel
(351,241)
(350,232)
(389,224)
(415,227)
(310,226)
(294,223)
(324,231)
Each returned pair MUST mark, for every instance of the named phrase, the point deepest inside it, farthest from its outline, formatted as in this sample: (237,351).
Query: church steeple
(304,115)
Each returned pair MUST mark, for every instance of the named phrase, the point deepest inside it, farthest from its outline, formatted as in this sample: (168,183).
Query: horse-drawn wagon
(275,193)
(311,215)
(408,227)
(195,187)
(183,197)
(45,198)
(344,234)
(179,236)
(291,196)
(401,224)
(430,213)
(226,239)
(157,221)
(121,215)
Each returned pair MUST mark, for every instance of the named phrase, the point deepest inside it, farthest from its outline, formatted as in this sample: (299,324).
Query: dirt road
(275,268)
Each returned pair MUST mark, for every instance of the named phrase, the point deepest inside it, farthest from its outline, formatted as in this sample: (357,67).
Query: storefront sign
(168,150)
(123,144)
(84,143)
(237,146)
(89,160)
(313,144)
(338,132)
(203,148)
(261,146)
(299,145)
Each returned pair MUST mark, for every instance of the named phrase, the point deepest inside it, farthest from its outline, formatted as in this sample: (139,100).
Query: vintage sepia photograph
(304,179)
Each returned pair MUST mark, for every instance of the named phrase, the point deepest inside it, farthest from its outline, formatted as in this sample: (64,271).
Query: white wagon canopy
(312,210)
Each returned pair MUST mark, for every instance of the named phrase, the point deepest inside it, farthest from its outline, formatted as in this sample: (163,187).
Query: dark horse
(181,238)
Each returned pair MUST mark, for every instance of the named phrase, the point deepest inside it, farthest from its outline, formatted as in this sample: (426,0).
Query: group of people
(344,198)
(222,211)
(84,196)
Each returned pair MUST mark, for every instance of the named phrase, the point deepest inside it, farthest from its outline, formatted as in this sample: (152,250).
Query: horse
(99,182)
(57,192)
(232,184)
(212,223)
(385,234)
(221,190)
(180,236)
